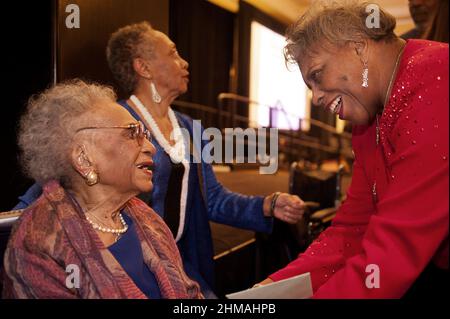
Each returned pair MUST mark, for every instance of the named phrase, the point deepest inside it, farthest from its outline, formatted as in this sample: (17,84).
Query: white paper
(298,287)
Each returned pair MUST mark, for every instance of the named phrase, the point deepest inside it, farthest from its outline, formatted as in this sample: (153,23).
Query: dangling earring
(155,95)
(91,178)
(365,76)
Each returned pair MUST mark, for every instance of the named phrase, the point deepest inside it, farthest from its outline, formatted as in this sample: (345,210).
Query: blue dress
(207,202)
(128,252)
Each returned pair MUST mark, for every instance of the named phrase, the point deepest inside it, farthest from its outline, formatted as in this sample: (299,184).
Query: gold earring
(91,178)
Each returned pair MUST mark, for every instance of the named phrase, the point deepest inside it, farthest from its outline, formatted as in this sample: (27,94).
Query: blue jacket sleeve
(234,209)
(224,206)
(29,197)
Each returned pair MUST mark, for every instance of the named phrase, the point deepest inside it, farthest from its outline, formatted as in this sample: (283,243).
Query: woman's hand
(287,208)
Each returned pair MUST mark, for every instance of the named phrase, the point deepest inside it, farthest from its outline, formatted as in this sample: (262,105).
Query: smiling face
(334,75)
(168,70)
(121,160)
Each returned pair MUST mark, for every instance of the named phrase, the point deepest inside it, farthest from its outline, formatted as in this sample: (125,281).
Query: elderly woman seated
(87,236)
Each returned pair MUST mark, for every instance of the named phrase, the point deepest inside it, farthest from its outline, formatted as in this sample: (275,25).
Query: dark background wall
(46,51)
(26,69)
(204,33)
(81,52)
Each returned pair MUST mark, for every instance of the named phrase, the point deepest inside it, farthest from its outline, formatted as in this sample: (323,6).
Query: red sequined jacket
(398,232)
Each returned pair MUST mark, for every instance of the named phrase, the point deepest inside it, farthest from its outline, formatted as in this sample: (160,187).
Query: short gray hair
(336,23)
(46,128)
(125,45)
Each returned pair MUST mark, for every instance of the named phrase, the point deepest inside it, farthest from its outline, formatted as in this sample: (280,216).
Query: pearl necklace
(177,151)
(116,231)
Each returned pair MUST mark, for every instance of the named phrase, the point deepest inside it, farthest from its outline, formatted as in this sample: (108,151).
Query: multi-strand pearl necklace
(177,151)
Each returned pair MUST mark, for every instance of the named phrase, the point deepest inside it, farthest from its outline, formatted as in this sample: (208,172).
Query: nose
(148,147)
(317,97)
(184,64)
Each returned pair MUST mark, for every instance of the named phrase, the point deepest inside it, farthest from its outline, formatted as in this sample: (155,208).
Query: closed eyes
(316,76)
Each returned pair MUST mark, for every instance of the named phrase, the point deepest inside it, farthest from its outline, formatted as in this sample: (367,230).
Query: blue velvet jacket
(214,203)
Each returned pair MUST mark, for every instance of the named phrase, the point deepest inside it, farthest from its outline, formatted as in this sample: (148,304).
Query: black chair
(7,219)
(321,191)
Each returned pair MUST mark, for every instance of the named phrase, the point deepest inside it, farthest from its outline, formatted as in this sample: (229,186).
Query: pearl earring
(91,178)
(365,76)
(155,94)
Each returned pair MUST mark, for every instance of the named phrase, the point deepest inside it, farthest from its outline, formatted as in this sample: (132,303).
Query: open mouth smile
(335,106)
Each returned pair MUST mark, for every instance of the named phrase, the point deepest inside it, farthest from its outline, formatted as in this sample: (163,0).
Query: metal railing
(239,98)
(292,138)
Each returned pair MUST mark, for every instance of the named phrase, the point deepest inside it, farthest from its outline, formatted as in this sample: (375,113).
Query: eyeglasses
(137,131)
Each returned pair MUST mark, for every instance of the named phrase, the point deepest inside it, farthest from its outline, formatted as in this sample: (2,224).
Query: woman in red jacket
(394,222)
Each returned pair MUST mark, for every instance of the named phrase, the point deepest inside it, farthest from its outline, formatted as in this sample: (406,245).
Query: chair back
(7,219)
(316,185)
(321,190)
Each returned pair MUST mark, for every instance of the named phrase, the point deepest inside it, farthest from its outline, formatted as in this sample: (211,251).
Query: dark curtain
(203,33)
(26,69)
(81,52)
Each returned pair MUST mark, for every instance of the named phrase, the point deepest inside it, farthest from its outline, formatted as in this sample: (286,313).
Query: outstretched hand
(288,208)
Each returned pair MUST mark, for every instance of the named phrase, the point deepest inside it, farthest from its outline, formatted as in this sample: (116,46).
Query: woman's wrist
(269,204)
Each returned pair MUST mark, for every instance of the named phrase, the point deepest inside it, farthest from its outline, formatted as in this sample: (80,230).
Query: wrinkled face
(169,71)
(334,76)
(122,160)
(422,10)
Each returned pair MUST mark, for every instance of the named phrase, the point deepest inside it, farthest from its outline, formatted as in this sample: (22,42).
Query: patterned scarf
(53,233)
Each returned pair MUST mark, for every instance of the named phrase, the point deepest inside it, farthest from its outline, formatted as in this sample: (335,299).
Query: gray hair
(126,44)
(336,23)
(46,128)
